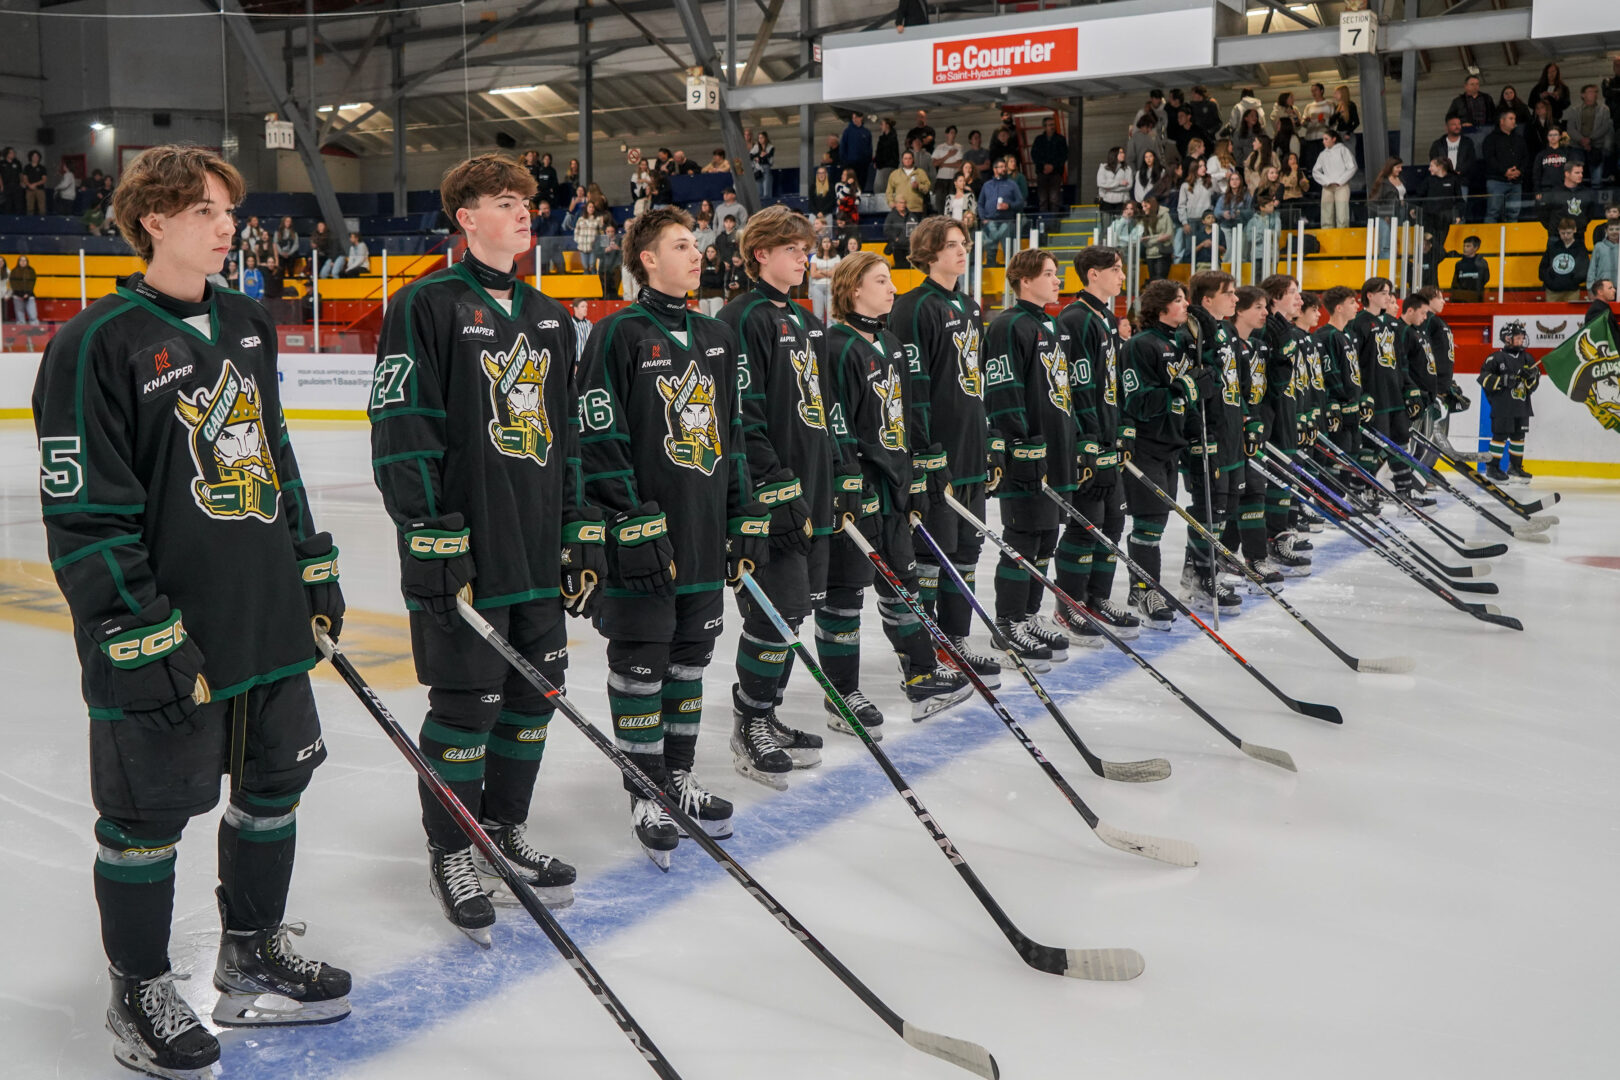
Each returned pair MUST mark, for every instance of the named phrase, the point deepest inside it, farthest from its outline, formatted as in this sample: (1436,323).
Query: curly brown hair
(642,233)
(166,180)
(483,177)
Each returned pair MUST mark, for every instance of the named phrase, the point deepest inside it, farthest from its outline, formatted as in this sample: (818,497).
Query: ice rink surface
(1432,895)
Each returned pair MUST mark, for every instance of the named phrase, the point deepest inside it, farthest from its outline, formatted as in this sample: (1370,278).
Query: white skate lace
(518,845)
(460,878)
(650,813)
(856,701)
(691,794)
(1151,601)
(757,733)
(1110,610)
(1047,626)
(784,735)
(163,1005)
(973,656)
(281,949)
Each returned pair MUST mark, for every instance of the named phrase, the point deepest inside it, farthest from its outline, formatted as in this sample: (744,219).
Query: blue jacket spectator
(998,189)
(855,149)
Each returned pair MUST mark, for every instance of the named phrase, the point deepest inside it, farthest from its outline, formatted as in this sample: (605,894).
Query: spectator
(736,277)
(909,185)
(1233,207)
(1564,265)
(582,325)
(275,278)
(1506,162)
(855,147)
(1050,155)
(1317,114)
(851,244)
(946,161)
(1605,258)
(609,260)
(1148,176)
(11,178)
(1115,183)
(886,158)
(1196,196)
(1286,141)
(95,217)
(1573,200)
(251,279)
(1206,113)
(712,282)
(1610,89)
(897,235)
(999,204)
(1222,162)
(725,242)
(1265,227)
(255,237)
(1016,175)
(1602,294)
(548,238)
(922,130)
(1284,110)
(910,13)
(1146,137)
(1248,131)
(1552,89)
(1126,229)
(1296,185)
(1158,238)
(1246,103)
(961,201)
(847,196)
(357,260)
(762,156)
(1591,126)
(1547,167)
(67,189)
(1202,248)
(975,154)
(1442,200)
(1154,105)
(1333,173)
(1005,142)
(323,247)
(680,166)
(730,208)
(1256,161)
(1534,133)
(1457,149)
(1345,119)
(658,194)
(545,179)
(587,231)
(1471,274)
(717,162)
(1511,102)
(1475,111)
(1386,201)
(822,265)
(1180,130)
(23,307)
(286,246)
(822,198)
(531,161)
(703,230)
(33,181)
(640,183)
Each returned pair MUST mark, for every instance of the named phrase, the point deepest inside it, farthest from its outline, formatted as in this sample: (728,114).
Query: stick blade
(1499,619)
(1318,712)
(1136,772)
(1280,758)
(1488,551)
(959,1052)
(1386,665)
(1174,852)
(1477,570)
(1103,965)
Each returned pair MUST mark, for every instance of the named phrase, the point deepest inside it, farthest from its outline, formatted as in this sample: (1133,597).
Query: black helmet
(1511,330)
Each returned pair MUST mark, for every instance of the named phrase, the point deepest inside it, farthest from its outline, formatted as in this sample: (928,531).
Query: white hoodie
(1337,165)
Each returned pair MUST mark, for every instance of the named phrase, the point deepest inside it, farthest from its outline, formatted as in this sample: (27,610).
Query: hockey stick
(1279,758)
(967,1055)
(1175,852)
(1107,965)
(1484,612)
(1530,530)
(1304,708)
(1489,486)
(1449,536)
(1134,772)
(486,847)
(1385,665)
(1369,529)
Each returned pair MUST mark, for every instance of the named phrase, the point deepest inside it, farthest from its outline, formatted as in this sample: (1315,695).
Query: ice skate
(756,754)
(935,690)
(551,879)
(154,1030)
(987,668)
(455,883)
(866,714)
(258,970)
(710,811)
(654,830)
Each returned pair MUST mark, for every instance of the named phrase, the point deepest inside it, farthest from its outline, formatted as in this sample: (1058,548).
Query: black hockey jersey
(1509,377)
(166,470)
(1224,411)
(1285,362)
(784,417)
(1382,375)
(1028,390)
(871,403)
(1422,369)
(940,329)
(1312,380)
(660,421)
(1155,358)
(1445,351)
(1341,369)
(1255,362)
(1094,370)
(472,412)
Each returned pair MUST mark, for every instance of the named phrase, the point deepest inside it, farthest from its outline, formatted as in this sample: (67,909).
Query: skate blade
(1261,590)
(922,710)
(274,1010)
(138,1061)
(807,757)
(714,830)
(840,725)
(1089,641)
(1164,625)
(660,859)
(555,897)
(1060,656)
(1295,571)
(744,767)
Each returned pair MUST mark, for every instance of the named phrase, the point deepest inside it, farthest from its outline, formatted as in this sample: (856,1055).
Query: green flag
(1587,368)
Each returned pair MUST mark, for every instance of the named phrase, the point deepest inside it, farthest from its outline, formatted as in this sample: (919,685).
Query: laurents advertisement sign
(1124,38)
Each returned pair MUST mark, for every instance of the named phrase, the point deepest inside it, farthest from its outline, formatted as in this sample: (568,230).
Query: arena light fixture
(97,125)
(515,89)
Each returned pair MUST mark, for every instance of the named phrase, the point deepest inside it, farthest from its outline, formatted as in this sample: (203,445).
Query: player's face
(875,295)
(197,240)
(1250,318)
(674,264)
(499,225)
(1380,301)
(1108,282)
(1222,304)
(1176,313)
(1045,287)
(783,266)
(1347,310)
(1437,305)
(1288,306)
(953,257)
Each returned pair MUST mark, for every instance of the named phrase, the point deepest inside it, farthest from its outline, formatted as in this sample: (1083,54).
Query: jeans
(767,185)
(26,310)
(995,232)
(331,267)
(820,297)
(1500,193)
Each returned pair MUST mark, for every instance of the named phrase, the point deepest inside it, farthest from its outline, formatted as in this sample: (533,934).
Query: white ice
(1431,896)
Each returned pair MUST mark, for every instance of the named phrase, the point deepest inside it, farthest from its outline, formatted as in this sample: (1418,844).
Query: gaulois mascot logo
(236,476)
(968,373)
(1597,381)
(694,435)
(893,435)
(1057,376)
(811,410)
(517,383)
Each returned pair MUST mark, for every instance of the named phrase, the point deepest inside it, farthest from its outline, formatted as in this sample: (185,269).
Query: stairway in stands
(1073,232)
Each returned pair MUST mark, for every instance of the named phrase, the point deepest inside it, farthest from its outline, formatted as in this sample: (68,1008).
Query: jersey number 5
(61,465)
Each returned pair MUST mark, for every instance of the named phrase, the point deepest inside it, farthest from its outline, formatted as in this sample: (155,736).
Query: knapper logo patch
(160,362)
(1006,56)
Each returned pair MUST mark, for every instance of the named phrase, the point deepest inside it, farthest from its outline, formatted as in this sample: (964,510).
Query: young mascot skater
(1509,375)
(474,448)
(1215,447)
(663,454)
(1085,568)
(790,460)
(869,384)
(181,538)
(939,325)
(1028,402)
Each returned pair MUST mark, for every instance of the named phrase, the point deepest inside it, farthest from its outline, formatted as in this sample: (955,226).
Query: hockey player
(1160,388)
(1214,435)
(1445,351)
(1285,372)
(790,460)
(1085,568)
(1313,404)
(181,538)
(1028,405)
(1348,407)
(1509,375)
(870,390)
(662,452)
(1417,355)
(474,448)
(1247,533)
(1383,377)
(940,328)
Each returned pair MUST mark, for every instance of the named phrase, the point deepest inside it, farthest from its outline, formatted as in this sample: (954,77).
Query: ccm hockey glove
(1086,465)
(848,496)
(934,466)
(439,565)
(1414,403)
(583,563)
(639,551)
(782,496)
(156,668)
(318,567)
(995,461)
(1026,465)
(1456,400)
(748,540)
(1366,408)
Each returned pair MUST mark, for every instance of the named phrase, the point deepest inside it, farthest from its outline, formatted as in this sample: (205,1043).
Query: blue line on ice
(394,1007)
